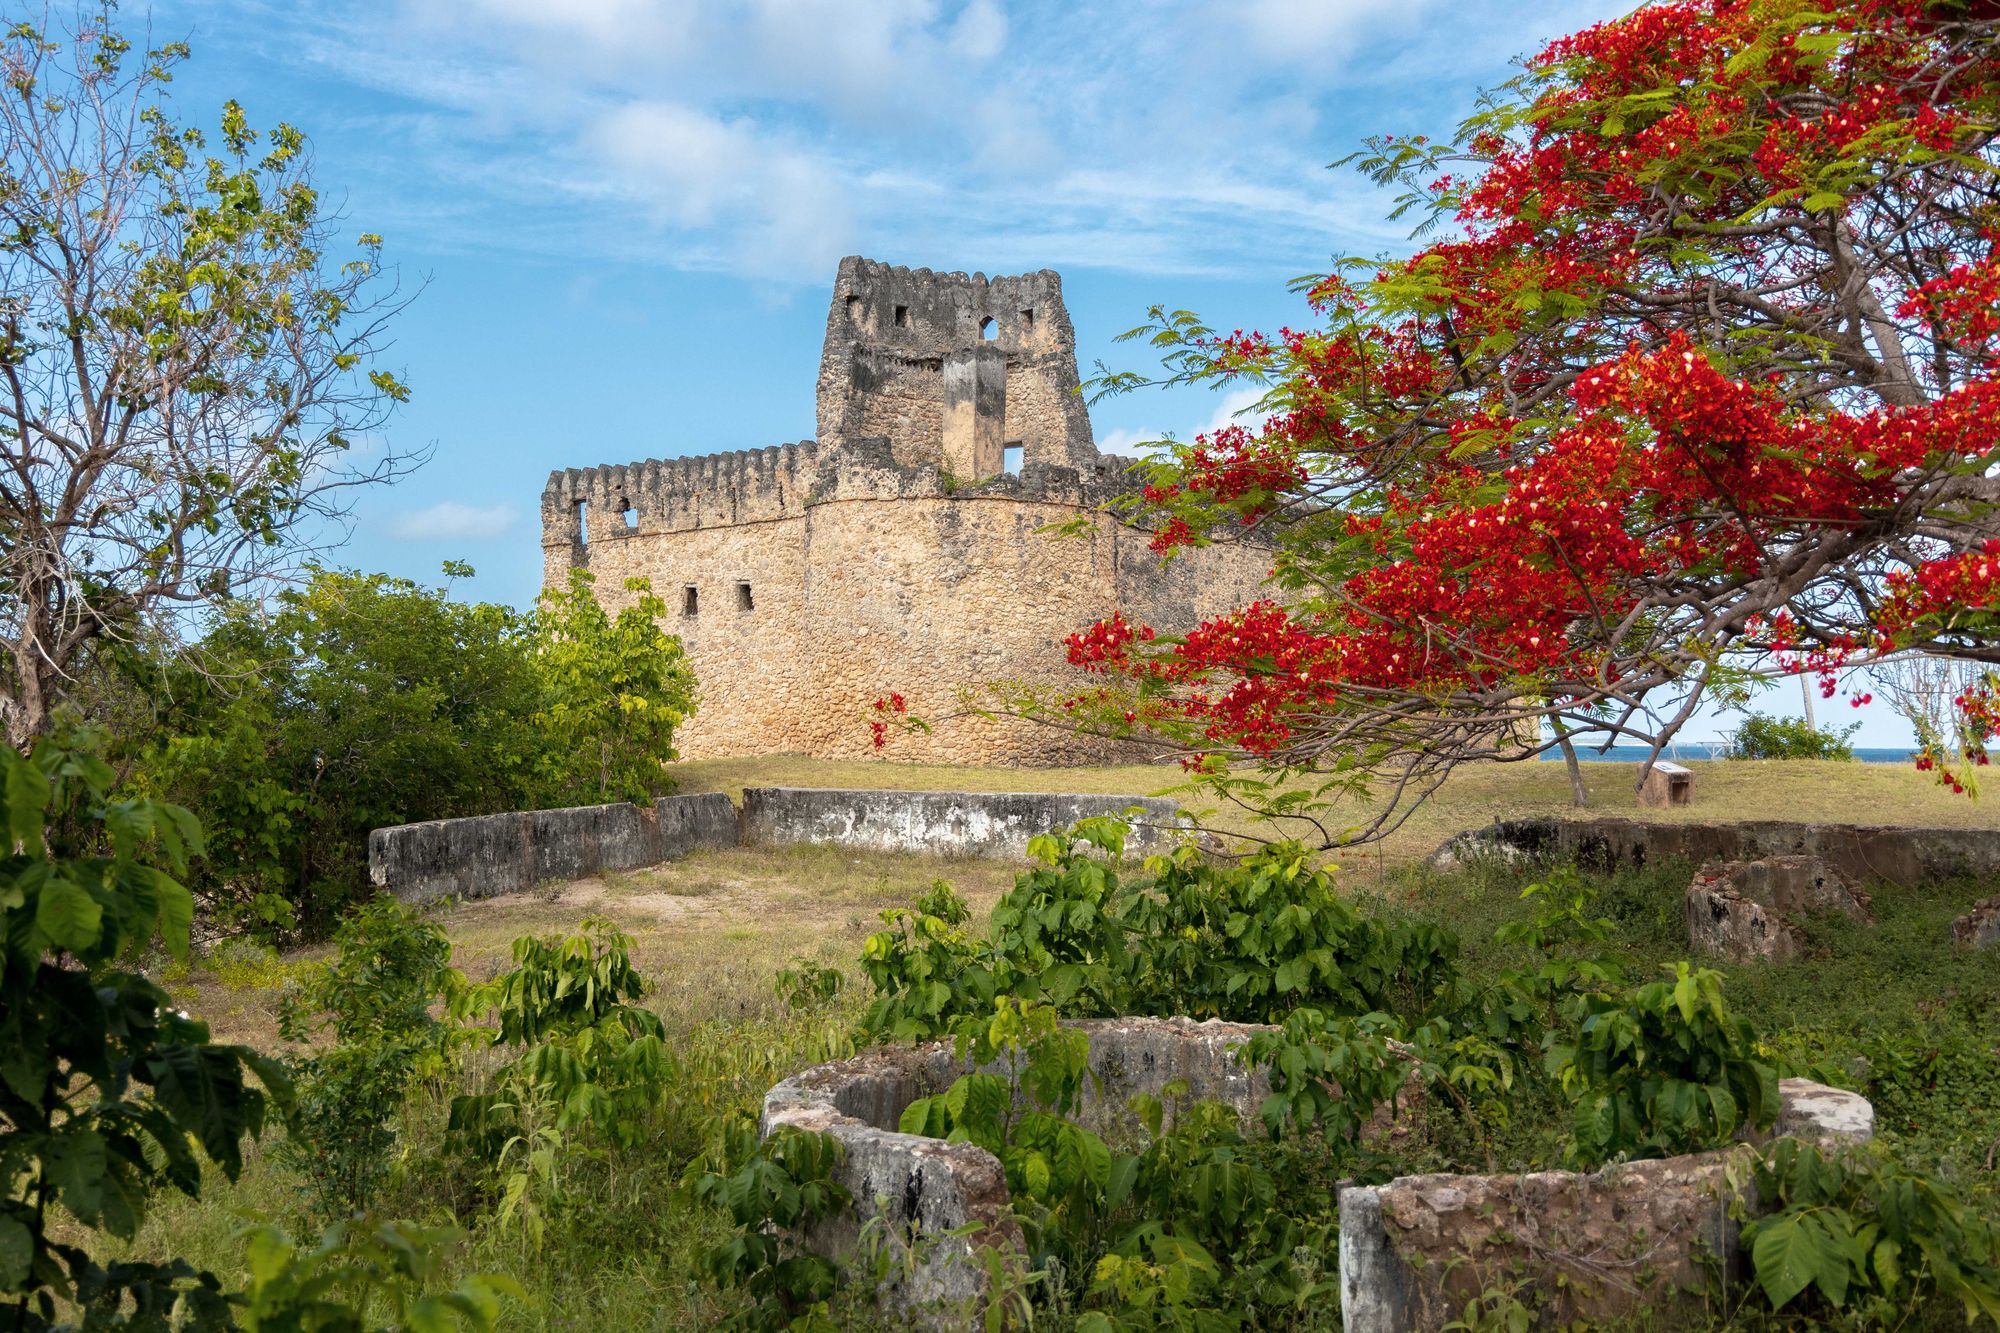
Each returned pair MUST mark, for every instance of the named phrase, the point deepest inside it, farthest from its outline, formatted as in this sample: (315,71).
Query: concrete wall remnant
(896,551)
(1861,853)
(1633,1239)
(484,855)
(947,823)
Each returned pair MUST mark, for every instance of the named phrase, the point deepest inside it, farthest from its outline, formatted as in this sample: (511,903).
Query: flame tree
(1693,382)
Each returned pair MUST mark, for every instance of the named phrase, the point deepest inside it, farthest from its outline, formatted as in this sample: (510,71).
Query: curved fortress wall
(896,553)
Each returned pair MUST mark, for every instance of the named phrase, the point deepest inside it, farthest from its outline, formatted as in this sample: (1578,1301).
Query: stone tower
(974,375)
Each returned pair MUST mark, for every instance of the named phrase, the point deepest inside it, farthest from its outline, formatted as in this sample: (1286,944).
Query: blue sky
(624,215)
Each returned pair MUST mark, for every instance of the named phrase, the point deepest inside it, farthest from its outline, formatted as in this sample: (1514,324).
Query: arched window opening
(988,330)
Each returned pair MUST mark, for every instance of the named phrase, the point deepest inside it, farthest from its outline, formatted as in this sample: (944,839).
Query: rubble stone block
(1598,1247)
(1747,911)
(1979,928)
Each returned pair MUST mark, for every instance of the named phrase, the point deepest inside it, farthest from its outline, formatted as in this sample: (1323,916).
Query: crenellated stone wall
(895,553)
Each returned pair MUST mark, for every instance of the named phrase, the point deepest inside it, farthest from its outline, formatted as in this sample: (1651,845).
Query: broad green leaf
(1787,1259)
(68,915)
(17,1252)
(75,1164)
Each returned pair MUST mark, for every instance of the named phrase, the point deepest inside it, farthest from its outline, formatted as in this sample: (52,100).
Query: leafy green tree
(353,702)
(183,363)
(1789,738)
(107,1092)
(615,689)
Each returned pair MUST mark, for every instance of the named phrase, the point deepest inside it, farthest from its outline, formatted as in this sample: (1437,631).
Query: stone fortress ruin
(903,548)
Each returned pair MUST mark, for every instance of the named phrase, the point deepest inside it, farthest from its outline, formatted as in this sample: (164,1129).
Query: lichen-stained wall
(864,577)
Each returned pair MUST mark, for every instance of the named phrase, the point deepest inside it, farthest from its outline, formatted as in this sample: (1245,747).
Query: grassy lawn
(1893,1009)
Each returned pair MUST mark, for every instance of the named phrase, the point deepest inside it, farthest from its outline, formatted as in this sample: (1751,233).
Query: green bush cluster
(1196,1225)
(110,1096)
(359,701)
(1789,738)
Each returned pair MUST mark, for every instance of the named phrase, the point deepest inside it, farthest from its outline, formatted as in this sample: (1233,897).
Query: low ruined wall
(493,854)
(1865,853)
(953,1196)
(947,823)
(1634,1242)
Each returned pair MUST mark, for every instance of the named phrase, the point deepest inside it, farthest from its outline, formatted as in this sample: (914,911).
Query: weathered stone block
(1980,927)
(1595,1247)
(1746,910)
(1667,784)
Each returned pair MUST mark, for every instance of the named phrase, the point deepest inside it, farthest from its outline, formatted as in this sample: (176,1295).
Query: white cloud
(448,520)
(1314,31)
(1232,409)
(782,210)
(767,137)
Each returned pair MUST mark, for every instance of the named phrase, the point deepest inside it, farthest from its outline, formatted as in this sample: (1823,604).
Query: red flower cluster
(889,705)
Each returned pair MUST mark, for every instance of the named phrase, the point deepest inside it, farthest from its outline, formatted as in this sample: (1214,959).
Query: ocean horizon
(1680,752)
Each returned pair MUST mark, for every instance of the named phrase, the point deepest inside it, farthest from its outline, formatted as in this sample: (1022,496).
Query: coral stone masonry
(903,549)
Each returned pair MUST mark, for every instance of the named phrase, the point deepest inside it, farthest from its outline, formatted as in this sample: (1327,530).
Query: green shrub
(363,1276)
(589,1064)
(374,1000)
(1860,1233)
(768,1190)
(1663,1069)
(107,1092)
(1246,941)
(1789,738)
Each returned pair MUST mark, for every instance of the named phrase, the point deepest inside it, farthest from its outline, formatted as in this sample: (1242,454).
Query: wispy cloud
(765,137)
(449,520)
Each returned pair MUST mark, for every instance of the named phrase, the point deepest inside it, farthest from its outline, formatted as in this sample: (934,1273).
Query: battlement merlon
(900,341)
(582,506)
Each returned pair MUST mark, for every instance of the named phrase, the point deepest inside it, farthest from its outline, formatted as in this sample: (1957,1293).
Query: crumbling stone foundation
(922,1188)
(1980,927)
(1748,911)
(1592,1247)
